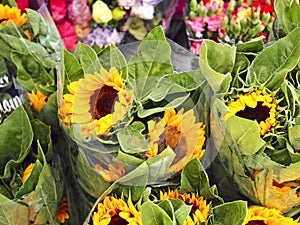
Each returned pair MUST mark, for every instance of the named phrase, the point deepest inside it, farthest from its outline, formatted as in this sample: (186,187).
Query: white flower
(145,11)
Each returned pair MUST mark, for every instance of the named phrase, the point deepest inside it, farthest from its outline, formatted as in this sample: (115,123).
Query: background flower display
(228,22)
(257,108)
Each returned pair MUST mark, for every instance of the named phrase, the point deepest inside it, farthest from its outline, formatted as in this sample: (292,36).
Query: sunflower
(62,213)
(27,172)
(116,211)
(179,131)
(97,102)
(258,106)
(38,100)
(11,14)
(259,215)
(200,209)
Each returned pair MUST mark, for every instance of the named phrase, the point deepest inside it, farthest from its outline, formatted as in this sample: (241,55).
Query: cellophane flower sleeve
(31,176)
(134,115)
(254,116)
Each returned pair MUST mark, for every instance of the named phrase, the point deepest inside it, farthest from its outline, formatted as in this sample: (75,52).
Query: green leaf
(181,210)
(287,14)
(254,45)
(31,182)
(169,102)
(88,58)
(271,66)
(12,213)
(219,57)
(31,73)
(153,60)
(34,19)
(294,137)
(152,214)
(245,133)
(19,138)
(71,68)
(111,56)
(89,180)
(194,179)
(131,138)
(230,213)
(159,165)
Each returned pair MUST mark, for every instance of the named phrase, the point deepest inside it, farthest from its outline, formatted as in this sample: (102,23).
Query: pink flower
(197,25)
(196,46)
(79,12)
(68,35)
(126,3)
(58,10)
(213,23)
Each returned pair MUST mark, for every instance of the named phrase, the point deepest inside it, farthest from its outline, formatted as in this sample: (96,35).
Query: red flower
(58,10)
(68,35)
(22,4)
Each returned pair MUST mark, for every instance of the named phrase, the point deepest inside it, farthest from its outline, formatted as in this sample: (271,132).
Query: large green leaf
(88,58)
(12,213)
(287,14)
(111,56)
(153,60)
(219,57)
(195,179)
(254,45)
(271,66)
(31,73)
(71,69)
(19,138)
(294,136)
(245,134)
(230,213)
(152,214)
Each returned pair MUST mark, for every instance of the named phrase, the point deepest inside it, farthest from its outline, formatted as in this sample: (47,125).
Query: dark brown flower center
(259,113)
(256,222)
(103,101)
(117,220)
(172,136)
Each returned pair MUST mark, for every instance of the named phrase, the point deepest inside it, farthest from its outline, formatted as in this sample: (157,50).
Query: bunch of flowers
(192,201)
(30,182)
(255,117)
(229,22)
(131,123)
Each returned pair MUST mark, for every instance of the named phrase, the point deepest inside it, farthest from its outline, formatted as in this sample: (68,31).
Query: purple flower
(103,36)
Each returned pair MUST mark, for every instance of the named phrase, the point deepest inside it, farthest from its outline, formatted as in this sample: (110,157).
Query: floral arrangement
(103,22)
(30,182)
(229,22)
(255,117)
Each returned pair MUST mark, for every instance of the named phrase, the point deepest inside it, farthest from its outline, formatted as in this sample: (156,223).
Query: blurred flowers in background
(228,22)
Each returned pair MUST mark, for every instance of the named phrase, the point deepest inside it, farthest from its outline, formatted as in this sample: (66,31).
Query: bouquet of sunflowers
(255,115)
(32,190)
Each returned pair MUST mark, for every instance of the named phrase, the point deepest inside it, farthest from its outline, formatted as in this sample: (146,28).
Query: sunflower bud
(192,15)
(231,6)
(237,29)
(255,17)
(244,25)
(224,22)
(253,32)
(265,17)
(193,5)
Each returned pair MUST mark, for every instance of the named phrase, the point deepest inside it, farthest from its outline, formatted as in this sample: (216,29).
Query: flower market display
(98,128)
(230,22)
